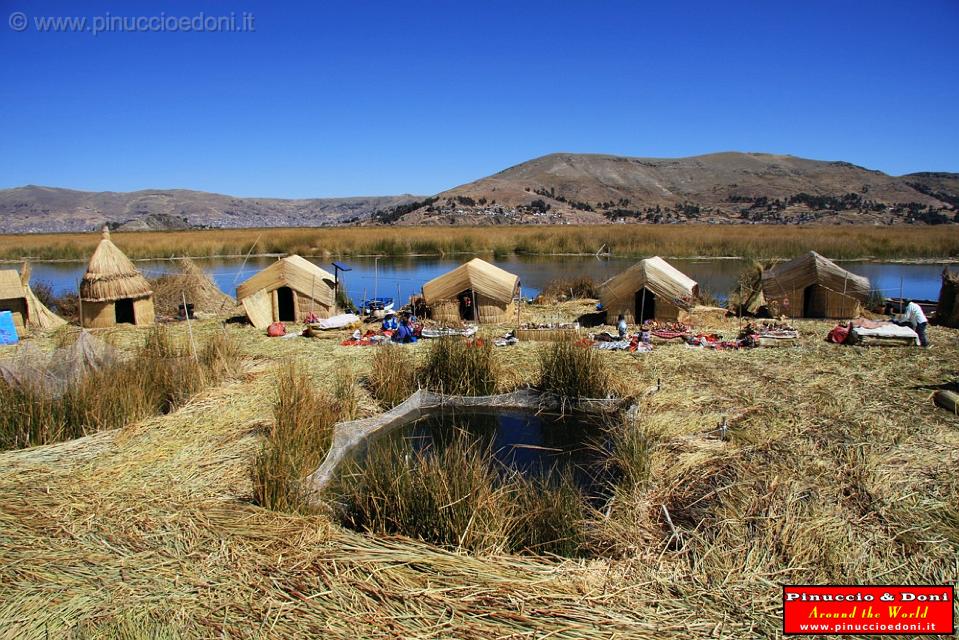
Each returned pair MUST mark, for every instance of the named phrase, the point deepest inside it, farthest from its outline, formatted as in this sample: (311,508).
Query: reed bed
(460,367)
(812,464)
(157,378)
(750,241)
(452,494)
(392,376)
(574,371)
(303,419)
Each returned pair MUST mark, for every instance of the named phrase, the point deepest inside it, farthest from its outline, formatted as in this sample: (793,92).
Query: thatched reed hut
(13,298)
(947,311)
(812,286)
(112,291)
(651,289)
(192,284)
(287,291)
(476,291)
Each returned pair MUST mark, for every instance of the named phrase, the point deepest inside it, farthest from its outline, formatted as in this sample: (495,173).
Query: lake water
(402,277)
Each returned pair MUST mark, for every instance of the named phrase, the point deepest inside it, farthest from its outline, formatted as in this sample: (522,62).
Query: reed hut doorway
(285,309)
(124,312)
(645,305)
(466,298)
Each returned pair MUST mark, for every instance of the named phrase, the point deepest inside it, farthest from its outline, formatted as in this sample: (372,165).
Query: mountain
(719,188)
(46,209)
(715,188)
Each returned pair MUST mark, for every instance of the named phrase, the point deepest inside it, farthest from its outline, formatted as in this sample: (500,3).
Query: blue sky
(365,98)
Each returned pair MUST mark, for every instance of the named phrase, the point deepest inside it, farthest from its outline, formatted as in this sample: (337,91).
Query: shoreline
(946,260)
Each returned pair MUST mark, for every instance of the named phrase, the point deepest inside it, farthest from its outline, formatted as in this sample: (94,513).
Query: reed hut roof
(111,275)
(294,272)
(482,277)
(11,287)
(655,274)
(812,268)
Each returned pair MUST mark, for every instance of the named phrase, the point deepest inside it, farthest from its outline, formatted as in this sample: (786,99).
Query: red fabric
(839,334)
(276,330)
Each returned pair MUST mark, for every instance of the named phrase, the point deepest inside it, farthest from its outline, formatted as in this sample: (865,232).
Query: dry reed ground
(836,467)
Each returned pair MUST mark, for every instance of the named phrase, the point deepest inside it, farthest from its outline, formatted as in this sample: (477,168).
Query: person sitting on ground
(622,327)
(404,334)
(913,316)
(389,323)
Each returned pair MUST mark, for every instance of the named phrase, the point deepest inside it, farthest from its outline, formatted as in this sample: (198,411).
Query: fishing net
(55,371)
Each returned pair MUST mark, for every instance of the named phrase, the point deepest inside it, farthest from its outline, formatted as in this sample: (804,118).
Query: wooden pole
(642,309)
(189,326)
(475,309)
(80,300)
(900,295)
(519,304)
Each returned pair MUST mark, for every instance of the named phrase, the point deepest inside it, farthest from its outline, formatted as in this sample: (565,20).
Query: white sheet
(887,331)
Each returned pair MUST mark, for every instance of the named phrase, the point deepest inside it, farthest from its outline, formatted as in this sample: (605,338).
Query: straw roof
(39,317)
(11,288)
(482,277)
(111,275)
(812,268)
(294,272)
(655,274)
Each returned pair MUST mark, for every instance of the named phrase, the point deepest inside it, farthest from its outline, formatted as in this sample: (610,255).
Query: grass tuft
(460,367)
(302,430)
(573,371)
(392,375)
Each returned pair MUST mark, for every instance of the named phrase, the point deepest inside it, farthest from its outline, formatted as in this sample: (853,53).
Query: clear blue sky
(361,98)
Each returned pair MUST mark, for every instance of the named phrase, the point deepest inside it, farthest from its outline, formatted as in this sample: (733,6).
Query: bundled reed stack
(650,289)
(476,291)
(947,311)
(287,291)
(812,286)
(193,285)
(112,291)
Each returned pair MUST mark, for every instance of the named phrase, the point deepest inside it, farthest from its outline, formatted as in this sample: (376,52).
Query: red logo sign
(872,610)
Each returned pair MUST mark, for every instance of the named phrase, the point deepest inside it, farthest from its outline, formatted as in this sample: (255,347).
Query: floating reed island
(164,486)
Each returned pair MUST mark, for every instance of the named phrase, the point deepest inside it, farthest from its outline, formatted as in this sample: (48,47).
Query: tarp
(8,332)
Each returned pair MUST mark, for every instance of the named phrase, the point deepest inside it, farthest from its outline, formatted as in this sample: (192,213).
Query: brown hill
(45,209)
(718,188)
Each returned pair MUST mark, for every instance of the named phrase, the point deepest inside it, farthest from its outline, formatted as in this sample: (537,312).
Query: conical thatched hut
(112,291)
(651,289)
(287,291)
(812,286)
(475,291)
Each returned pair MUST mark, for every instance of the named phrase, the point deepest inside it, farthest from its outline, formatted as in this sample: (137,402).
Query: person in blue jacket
(404,334)
(389,323)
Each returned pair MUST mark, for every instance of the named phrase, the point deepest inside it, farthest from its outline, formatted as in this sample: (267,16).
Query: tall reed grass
(451,494)
(460,367)
(302,430)
(573,371)
(750,241)
(392,376)
(157,378)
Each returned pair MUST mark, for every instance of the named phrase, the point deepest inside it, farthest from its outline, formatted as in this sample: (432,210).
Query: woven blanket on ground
(666,334)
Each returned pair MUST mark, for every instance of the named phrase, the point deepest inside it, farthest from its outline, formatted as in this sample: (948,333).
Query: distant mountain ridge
(719,188)
(32,209)
(727,187)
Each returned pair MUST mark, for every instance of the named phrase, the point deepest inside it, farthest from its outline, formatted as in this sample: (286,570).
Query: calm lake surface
(402,277)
